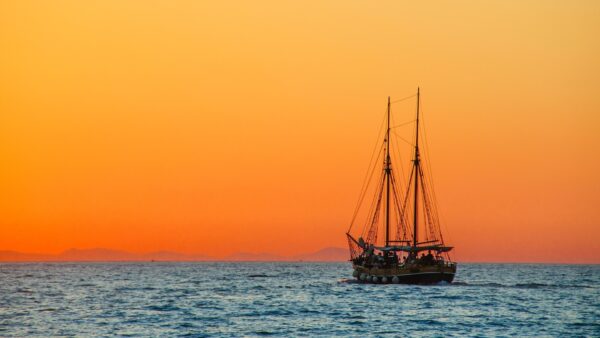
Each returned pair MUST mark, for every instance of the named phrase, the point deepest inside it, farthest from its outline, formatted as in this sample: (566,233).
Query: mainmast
(417,169)
(388,170)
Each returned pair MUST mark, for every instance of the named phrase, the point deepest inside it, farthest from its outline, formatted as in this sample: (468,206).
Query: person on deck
(429,258)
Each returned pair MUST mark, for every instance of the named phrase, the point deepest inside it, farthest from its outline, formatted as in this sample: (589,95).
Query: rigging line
(397,148)
(364,192)
(427,216)
(400,179)
(367,227)
(403,99)
(364,188)
(408,194)
(398,186)
(425,223)
(373,231)
(427,159)
(430,203)
(365,184)
(403,139)
(431,181)
(403,124)
(371,163)
(372,209)
(427,210)
(401,229)
(401,218)
(397,213)
(429,178)
(432,210)
(372,202)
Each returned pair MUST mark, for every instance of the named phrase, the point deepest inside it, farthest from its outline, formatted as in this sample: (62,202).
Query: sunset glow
(221,127)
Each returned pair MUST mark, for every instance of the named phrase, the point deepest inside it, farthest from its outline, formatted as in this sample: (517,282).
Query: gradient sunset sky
(222,126)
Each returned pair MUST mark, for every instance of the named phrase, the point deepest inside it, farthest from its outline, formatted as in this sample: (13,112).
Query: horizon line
(335,254)
(264,261)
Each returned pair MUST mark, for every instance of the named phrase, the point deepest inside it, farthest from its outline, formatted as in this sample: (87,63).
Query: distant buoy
(395,280)
(384,280)
(355,274)
(375,279)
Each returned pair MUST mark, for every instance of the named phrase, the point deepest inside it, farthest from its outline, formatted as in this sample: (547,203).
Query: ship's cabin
(386,257)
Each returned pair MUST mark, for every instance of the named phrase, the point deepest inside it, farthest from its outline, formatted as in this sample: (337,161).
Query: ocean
(293,299)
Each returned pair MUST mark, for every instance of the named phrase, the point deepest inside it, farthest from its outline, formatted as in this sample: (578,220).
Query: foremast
(416,162)
(388,173)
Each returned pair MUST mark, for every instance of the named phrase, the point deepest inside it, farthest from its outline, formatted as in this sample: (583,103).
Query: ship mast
(388,170)
(417,169)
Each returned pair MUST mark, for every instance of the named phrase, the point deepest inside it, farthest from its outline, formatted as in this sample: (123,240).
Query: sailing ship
(406,246)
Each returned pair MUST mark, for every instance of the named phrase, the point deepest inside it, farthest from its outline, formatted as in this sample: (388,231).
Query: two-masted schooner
(410,248)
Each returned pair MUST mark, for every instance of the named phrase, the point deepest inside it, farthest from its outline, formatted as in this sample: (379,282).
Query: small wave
(485,285)
(533,285)
(85,285)
(356,323)
(583,324)
(308,311)
(260,275)
(427,322)
(186,325)
(24,290)
(518,285)
(356,317)
(163,308)
(264,333)
(278,312)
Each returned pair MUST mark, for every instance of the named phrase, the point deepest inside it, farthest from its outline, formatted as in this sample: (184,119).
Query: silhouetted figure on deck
(427,260)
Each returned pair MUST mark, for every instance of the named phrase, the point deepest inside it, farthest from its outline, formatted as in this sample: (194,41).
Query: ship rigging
(411,223)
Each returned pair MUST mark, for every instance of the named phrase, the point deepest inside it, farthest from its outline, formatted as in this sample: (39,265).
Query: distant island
(330,254)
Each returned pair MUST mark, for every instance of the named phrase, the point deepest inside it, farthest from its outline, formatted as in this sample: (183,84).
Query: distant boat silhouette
(395,258)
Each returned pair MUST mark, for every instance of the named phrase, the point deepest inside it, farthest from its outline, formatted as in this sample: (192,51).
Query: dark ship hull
(406,274)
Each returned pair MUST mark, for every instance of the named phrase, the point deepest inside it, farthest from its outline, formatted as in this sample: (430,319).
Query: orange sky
(222,126)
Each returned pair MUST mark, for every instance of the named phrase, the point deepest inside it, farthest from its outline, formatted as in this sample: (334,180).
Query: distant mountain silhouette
(97,254)
(108,255)
(330,254)
(100,254)
(175,256)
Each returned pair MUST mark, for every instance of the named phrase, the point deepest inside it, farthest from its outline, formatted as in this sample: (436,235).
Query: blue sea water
(293,299)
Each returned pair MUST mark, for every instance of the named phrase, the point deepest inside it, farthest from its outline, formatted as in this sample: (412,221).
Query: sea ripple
(293,299)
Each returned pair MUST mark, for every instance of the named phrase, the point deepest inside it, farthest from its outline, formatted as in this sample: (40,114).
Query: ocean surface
(293,299)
